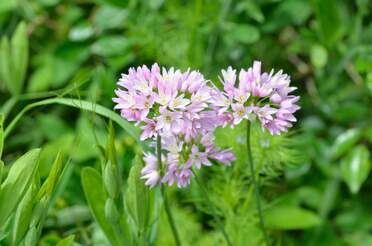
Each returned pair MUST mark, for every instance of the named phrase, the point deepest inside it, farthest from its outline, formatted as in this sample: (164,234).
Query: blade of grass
(80,104)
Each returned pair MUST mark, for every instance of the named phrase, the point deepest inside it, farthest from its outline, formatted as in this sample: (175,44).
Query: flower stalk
(255,184)
(164,195)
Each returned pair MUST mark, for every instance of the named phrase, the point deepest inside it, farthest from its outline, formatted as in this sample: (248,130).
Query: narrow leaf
(19,51)
(6,70)
(84,105)
(355,168)
(49,185)
(290,218)
(23,215)
(96,198)
(111,151)
(17,182)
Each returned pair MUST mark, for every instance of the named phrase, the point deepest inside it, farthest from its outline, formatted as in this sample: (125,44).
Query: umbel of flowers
(176,106)
(184,109)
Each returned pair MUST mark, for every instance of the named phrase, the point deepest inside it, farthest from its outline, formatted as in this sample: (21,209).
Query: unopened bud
(110,179)
(111,212)
(39,211)
(31,237)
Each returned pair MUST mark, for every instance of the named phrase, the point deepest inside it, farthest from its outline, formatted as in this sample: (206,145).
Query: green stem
(212,210)
(165,199)
(255,184)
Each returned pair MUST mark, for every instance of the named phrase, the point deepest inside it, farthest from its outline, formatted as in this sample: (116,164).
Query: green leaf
(111,180)
(50,183)
(290,218)
(111,212)
(67,60)
(113,45)
(19,56)
(137,196)
(6,68)
(31,237)
(1,137)
(81,32)
(110,148)
(318,56)
(84,105)
(68,241)
(17,182)
(41,78)
(7,5)
(288,13)
(96,198)
(329,22)
(243,33)
(23,215)
(110,17)
(355,167)
(345,141)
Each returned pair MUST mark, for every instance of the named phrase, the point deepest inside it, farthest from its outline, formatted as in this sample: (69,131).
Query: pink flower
(151,171)
(239,113)
(171,173)
(268,95)
(169,121)
(179,102)
(198,158)
(184,177)
(225,156)
(149,130)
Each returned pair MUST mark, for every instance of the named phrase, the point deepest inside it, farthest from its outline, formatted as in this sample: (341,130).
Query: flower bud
(111,212)
(111,180)
(39,211)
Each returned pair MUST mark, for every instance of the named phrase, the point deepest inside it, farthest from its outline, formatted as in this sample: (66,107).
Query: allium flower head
(164,101)
(256,94)
(177,106)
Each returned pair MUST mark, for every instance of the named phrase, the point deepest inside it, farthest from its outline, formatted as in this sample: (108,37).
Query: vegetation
(70,165)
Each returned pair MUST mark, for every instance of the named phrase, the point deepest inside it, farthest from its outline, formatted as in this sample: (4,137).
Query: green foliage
(68,241)
(295,218)
(57,76)
(14,59)
(355,167)
(345,141)
(17,183)
(96,198)
(139,201)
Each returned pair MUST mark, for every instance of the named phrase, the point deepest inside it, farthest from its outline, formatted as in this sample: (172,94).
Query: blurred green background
(79,48)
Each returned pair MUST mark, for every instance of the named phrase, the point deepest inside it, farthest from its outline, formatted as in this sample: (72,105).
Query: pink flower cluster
(176,106)
(265,96)
(184,109)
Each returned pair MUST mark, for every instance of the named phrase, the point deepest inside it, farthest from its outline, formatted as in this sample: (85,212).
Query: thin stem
(211,208)
(255,184)
(165,199)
